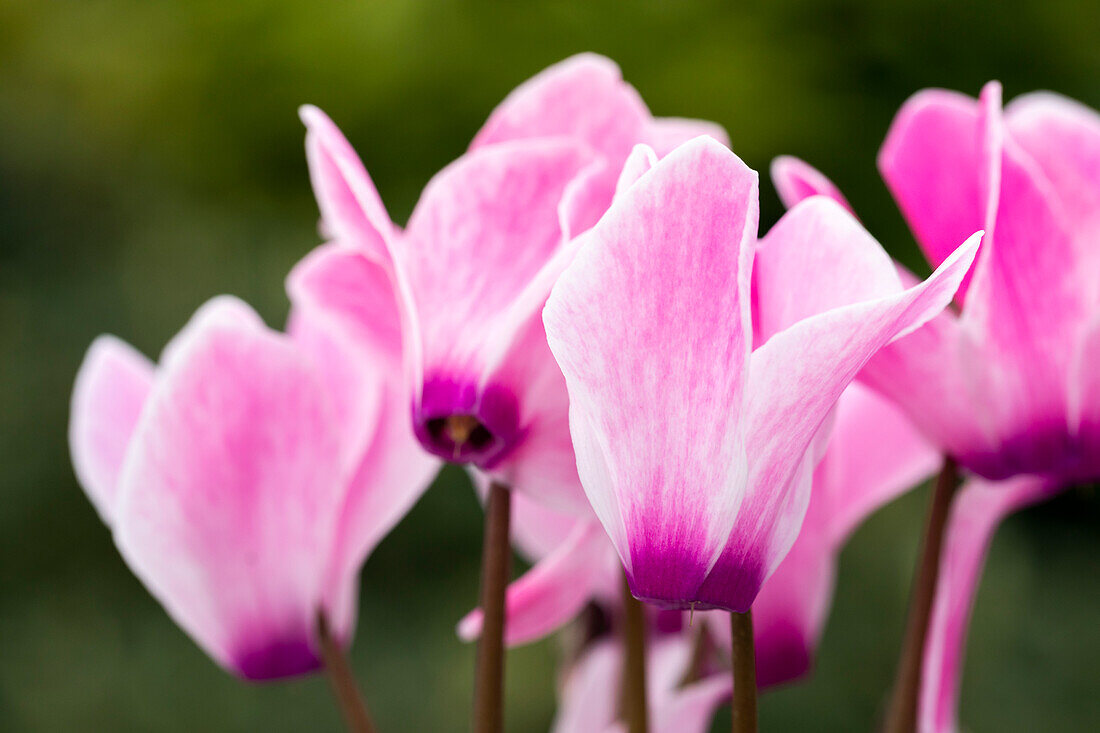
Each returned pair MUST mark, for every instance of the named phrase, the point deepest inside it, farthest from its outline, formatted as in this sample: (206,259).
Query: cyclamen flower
(874,455)
(1009,385)
(246,478)
(590,693)
(469,275)
(695,449)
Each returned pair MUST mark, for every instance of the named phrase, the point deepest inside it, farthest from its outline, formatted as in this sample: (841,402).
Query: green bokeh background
(151,157)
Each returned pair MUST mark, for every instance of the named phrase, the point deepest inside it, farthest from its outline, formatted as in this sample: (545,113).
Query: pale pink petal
(817,257)
(794,381)
(650,325)
(554,591)
(110,392)
(637,164)
(796,180)
(975,515)
(691,708)
(351,209)
(582,97)
(934,164)
(665,134)
(875,455)
(230,493)
(590,694)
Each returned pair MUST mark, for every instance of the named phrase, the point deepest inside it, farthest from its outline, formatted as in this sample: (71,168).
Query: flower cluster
(582,310)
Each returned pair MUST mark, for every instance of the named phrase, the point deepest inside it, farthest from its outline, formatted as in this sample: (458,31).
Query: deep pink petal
(1085,403)
(817,257)
(555,590)
(933,162)
(650,325)
(794,381)
(796,180)
(975,515)
(351,208)
(110,392)
(230,493)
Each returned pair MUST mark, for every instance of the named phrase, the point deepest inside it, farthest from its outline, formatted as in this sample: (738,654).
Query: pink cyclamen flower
(245,478)
(695,449)
(472,270)
(874,455)
(591,690)
(1009,385)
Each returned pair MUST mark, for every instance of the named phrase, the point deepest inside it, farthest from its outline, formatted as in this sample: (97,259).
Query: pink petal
(554,591)
(817,257)
(794,381)
(641,159)
(1063,137)
(691,709)
(590,693)
(650,325)
(351,208)
(665,134)
(934,164)
(583,97)
(875,455)
(110,392)
(975,516)
(1085,402)
(230,494)
(796,180)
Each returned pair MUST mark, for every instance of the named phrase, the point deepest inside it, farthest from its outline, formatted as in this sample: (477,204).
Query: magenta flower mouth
(461,423)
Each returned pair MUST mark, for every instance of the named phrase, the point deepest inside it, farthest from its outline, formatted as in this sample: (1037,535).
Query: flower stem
(632,701)
(496,560)
(901,714)
(744,673)
(342,679)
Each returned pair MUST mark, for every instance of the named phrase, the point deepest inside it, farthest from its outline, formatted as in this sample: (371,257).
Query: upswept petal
(875,455)
(641,159)
(351,209)
(555,590)
(691,708)
(589,694)
(482,230)
(642,359)
(795,180)
(934,164)
(110,392)
(582,97)
(1063,137)
(794,380)
(816,258)
(236,429)
(975,515)
(665,134)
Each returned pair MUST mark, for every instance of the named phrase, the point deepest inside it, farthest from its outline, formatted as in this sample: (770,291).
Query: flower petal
(230,493)
(582,97)
(554,591)
(589,695)
(795,180)
(351,208)
(817,257)
(795,378)
(665,134)
(975,515)
(650,325)
(111,388)
(691,708)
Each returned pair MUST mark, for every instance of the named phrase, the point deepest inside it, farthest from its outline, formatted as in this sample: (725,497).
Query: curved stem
(632,702)
(744,673)
(901,714)
(496,560)
(342,679)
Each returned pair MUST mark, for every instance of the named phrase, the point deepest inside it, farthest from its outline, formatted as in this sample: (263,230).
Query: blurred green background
(151,156)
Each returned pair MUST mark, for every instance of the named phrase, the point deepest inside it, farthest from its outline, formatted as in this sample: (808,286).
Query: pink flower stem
(744,673)
(342,679)
(496,560)
(632,701)
(901,714)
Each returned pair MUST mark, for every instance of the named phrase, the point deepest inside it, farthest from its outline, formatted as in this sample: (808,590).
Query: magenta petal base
(493,431)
